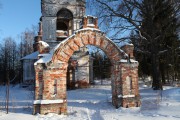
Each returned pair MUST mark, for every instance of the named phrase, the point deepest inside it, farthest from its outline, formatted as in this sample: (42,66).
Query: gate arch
(85,37)
(50,90)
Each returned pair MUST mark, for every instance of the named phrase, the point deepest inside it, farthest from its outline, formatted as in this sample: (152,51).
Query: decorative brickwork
(87,37)
(38,38)
(130,89)
(51,73)
(129,49)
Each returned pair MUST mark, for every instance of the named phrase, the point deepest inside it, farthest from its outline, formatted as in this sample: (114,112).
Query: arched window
(61,26)
(65,14)
(64,23)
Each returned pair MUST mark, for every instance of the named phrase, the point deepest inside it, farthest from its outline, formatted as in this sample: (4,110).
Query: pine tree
(154,21)
(159,28)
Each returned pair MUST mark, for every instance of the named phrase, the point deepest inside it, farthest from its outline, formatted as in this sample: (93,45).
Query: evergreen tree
(154,22)
(159,27)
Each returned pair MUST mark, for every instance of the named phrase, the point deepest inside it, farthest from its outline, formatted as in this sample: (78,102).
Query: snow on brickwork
(90,16)
(131,60)
(44,44)
(48,101)
(47,58)
(90,25)
(126,96)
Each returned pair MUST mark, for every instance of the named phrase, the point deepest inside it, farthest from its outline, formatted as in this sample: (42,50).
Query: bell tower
(60,18)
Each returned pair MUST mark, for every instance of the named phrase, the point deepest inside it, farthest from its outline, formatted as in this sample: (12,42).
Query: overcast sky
(17,15)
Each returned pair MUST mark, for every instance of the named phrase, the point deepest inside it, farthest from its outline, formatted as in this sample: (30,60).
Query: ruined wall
(51,75)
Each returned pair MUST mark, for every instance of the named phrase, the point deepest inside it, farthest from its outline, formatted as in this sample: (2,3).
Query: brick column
(53,98)
(39,81)
(130,90)
(129,49)
(116,84)
(125,89)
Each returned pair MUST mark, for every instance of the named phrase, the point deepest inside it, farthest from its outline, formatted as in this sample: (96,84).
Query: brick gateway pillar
(50,89)
(51,69)
(125,90)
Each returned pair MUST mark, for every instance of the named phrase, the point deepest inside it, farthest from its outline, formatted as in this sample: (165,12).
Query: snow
(61,36)
(47,101)
(90,25)
(61,31)
(95,104)
(32,56)
(43,55)
(90,16)
(44,44)
(162,52)
(45,59)
(125,96)
(130,44)
(131,60)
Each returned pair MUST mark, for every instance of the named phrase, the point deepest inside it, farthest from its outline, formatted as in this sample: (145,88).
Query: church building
(59,20)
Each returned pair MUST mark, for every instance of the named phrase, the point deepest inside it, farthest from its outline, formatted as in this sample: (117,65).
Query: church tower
(60,18)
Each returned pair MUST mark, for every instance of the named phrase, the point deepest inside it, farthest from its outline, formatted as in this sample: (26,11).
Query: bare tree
(119,17)
(27,40)
(9,56)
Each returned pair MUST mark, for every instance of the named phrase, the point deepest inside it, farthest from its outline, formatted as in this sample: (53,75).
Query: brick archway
(87,37)
(50,90)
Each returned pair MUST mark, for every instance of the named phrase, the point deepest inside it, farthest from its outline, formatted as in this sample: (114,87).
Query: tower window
(91,21)
(64,22)
(61,26)
(65,14)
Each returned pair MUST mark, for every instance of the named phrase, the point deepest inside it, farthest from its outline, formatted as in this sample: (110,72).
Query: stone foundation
(58,108)
(131,102)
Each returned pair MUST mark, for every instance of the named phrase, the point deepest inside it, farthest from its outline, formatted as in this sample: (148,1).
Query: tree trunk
(155,73)
(168,75)
(7,92)
(162,73)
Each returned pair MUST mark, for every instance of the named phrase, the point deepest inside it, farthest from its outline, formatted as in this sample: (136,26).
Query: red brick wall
(51,77)
(87,37)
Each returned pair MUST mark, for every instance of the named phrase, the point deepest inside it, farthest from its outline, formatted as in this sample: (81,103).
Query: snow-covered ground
(94,104)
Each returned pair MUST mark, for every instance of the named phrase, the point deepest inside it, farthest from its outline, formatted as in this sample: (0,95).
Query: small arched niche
(129,84)
(64,25)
